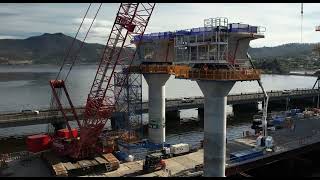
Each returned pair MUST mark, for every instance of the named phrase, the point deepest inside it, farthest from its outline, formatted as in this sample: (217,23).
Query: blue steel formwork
(128,115)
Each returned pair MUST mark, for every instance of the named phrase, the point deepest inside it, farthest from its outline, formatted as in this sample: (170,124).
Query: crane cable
(75,37)
(301,21)
(82,43)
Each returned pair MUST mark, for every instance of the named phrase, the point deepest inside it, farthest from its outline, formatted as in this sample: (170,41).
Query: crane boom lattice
(131,20)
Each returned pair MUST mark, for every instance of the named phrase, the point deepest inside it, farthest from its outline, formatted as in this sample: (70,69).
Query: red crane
(131,20)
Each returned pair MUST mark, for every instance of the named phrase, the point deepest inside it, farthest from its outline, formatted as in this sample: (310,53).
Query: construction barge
(297,133)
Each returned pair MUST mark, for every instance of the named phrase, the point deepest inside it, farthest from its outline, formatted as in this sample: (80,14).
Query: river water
(26,87)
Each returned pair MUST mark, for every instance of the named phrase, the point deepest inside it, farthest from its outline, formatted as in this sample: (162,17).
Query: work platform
(186,72)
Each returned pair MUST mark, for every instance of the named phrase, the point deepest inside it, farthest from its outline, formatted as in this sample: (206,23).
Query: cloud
(282,20)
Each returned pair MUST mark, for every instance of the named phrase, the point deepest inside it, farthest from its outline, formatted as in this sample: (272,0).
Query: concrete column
(172,118)
(247,107)
(201,116)
(215,122)
(157,113)
(173,115)
(59,125)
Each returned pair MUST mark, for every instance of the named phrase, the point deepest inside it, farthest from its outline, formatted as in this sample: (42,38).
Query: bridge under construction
(214,55)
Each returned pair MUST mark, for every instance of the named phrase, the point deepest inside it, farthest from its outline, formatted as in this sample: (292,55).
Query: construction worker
(205,67)
(163,164)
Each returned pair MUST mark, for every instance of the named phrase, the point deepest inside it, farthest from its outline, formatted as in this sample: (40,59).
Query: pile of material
(105,163)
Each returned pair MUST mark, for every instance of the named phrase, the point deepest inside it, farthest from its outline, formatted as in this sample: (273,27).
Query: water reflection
(26,87)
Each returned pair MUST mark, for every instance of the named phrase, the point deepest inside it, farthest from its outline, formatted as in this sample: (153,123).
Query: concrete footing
(215,94)
(157,113)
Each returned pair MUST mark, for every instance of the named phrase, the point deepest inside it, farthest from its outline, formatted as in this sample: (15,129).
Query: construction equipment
(154,162)
(131,20)
(265,103)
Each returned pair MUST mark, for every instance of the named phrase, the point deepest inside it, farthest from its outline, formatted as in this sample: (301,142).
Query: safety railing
(41,115)
(284,147)
(156,69)
(223,75)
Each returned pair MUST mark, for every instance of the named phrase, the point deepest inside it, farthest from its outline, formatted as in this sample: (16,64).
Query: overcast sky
(282,21)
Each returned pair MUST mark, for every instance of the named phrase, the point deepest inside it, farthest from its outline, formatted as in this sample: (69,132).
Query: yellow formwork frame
(185,72)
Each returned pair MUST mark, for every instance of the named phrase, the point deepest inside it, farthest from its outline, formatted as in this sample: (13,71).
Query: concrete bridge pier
(278,105)
(157,113)
(173,117)
(215,122)
(247,107)
(59,125)
(201,116)
(301,103)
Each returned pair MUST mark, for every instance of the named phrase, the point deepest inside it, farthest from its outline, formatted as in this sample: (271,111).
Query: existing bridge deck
(46,116)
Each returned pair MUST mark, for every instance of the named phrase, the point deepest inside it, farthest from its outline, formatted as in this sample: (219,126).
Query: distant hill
(292,50)
(47,49)
(51,48)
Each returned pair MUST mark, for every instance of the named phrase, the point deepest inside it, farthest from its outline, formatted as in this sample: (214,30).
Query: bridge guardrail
(178,102)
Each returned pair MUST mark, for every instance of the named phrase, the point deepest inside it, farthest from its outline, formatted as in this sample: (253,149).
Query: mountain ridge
(51,49)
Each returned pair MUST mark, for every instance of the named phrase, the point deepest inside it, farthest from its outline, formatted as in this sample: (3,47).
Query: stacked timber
(59,170)
(114,162)
(106,165)
(108,162)
(56,166)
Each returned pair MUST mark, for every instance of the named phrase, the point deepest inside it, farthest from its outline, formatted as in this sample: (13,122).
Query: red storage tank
(37,143)
(64,133)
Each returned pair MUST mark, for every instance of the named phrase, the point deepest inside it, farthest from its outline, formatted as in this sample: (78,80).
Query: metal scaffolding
(128,114)
(208,44)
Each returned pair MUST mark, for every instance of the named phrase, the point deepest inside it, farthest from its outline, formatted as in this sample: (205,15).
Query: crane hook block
(57,83)
(126,23)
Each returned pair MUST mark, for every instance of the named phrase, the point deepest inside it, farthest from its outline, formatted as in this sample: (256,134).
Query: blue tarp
(143,144)
(120,155)
(245,154)
(293,112)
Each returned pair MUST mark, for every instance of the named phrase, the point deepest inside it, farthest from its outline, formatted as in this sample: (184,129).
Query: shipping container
(179,148)
(37,143)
